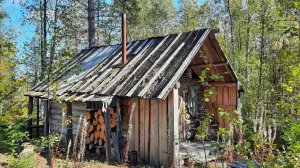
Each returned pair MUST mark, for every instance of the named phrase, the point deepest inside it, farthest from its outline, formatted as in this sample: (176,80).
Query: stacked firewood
(96,127)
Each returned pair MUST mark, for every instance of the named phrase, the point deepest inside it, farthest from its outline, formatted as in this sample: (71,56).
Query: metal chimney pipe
(124,54)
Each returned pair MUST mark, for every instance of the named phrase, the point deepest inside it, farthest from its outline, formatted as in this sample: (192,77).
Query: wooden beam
(30,109)
(70,125)
(228,84)
(107,134)
(197,81)
(173,101)
(116,147)
(47,116)
(217,64)
(38,117)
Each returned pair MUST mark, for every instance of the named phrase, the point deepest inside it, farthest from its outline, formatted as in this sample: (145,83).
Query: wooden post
(173,112)
(107,133)
(38,117)
(47,116)
(30,108)
(70,125)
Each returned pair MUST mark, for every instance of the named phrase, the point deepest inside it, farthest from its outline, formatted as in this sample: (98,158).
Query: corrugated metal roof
(154,66)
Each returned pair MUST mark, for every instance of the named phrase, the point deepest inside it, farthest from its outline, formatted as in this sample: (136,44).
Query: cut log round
(100,141)
(97,134)
(102,127)
(113,123)
(114,115)
(87,140)
(98,127)
(90,129)
(92,137)
(87,115)
(102,135)
(96,114)
(111,110)
(95,122)
(101,119)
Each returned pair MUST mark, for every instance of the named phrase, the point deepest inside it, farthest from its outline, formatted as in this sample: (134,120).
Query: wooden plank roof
(154,66)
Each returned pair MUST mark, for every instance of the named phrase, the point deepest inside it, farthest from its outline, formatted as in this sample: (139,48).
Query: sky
(24,32)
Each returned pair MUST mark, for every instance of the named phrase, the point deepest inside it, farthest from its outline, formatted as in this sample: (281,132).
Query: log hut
(150,88)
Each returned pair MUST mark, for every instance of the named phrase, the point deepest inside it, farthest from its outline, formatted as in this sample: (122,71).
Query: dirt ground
(41,162)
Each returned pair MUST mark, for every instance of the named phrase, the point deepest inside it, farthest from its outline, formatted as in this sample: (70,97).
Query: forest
(261,39)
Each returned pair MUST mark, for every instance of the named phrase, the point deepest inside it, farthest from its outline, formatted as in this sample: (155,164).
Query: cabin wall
(152,135)
(58,122)
(224,97)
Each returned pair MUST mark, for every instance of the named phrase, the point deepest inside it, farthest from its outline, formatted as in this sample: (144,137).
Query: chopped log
(102,134)
(92,137)
(114,116)
(102,127)
(87,140)
(97,134)
(101,119)
(96,114)
(87,115)
(99,111)
(111,110)
(100,141)
(113,123)
(98,127)
(95,122)
(90,129)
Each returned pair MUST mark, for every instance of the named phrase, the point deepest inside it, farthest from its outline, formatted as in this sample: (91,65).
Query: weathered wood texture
(57,123)
(225,98)
(155,124)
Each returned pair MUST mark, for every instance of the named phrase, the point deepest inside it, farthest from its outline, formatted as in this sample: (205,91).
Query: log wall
(56,120)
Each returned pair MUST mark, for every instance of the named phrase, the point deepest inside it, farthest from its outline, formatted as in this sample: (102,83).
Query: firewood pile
(96,138)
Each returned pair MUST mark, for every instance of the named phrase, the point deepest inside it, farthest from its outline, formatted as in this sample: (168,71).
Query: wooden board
(163,141)
(147,131)
(136,128)
(225,95)
(153,133)
(142,129)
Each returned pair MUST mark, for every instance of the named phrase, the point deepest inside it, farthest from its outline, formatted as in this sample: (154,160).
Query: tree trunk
(232,48)
(91,23)
(44,39)
(247,47)
(53,44)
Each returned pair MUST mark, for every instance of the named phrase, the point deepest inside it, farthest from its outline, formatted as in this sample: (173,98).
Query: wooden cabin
(152,95)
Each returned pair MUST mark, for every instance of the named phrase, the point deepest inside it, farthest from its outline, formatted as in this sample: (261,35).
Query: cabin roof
(152,69)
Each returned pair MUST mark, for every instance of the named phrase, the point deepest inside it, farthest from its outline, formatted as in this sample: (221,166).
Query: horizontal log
(218,64)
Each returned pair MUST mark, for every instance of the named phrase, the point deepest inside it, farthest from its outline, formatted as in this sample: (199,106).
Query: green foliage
(24,161)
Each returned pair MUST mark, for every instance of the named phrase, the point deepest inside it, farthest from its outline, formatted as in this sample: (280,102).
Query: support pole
(173,112)
(38,117)
(107,132)
(70,125)
(47,115)
(30,109)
